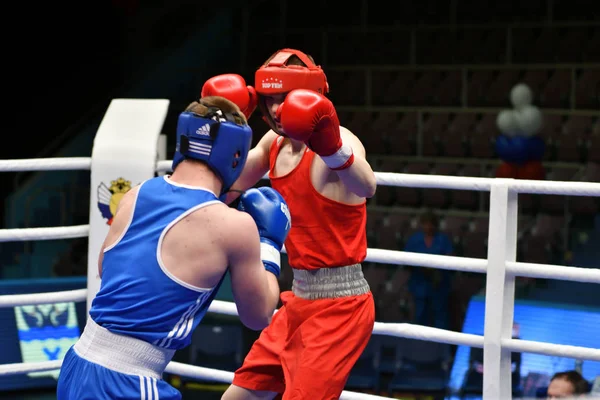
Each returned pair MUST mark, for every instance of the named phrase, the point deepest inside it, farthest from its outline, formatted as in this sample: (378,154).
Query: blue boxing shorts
(97,368)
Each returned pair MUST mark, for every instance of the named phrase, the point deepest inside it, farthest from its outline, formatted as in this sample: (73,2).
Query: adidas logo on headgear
(204,130)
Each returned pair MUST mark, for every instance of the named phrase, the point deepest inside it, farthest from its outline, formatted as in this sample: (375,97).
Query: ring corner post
(500,291)
(124,155)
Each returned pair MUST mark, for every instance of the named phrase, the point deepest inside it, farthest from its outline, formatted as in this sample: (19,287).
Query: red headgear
(276,77)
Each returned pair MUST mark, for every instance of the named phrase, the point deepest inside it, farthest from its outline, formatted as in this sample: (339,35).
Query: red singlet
(325,233)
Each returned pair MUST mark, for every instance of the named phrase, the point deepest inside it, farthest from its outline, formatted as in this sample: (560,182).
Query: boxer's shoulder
(353,140)
(346,132)
(217,217)
(209,213)
(239,231)
(219,224)
(267,140)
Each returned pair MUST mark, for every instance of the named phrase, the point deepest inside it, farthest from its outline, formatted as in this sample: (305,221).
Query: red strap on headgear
(275,77)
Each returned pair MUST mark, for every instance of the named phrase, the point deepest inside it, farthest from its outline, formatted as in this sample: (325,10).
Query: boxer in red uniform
(320,168)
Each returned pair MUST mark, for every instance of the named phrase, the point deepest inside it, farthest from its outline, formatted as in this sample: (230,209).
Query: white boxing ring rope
(500,266)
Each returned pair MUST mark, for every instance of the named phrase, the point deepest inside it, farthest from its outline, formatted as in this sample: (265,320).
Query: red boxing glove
(310,117)
(233,88)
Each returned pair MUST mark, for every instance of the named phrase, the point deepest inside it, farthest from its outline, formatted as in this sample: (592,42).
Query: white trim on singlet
(181,185)
(122,235)
(162,236)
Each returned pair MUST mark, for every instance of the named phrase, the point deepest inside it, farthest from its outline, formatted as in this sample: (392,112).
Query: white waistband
(121,353)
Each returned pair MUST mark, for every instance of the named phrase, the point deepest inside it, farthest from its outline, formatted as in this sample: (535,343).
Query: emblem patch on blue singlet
(110,196)
(46,332)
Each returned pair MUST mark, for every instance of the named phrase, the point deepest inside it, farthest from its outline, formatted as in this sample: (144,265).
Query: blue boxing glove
(272,217)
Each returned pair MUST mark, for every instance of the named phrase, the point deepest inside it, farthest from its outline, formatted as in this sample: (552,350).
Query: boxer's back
(145,290)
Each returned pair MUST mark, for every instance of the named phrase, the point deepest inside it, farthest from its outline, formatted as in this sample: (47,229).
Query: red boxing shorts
(310,347)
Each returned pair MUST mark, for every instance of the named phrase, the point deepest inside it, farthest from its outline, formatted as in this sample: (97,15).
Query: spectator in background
(567,384)
(430,287)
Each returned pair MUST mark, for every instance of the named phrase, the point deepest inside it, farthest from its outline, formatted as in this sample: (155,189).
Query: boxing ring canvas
(119,137)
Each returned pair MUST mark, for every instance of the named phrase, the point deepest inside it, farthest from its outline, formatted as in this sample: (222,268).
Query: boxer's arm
(257,165)
(255,290)
(359,178)
(310,117)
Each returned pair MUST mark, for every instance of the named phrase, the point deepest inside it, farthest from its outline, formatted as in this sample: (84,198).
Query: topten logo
(204,130)
(272,83)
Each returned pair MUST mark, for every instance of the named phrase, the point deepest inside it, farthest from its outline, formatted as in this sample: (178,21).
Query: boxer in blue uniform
(169,246)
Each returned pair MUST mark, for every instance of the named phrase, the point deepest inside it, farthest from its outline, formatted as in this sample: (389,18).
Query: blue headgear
(221,140)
